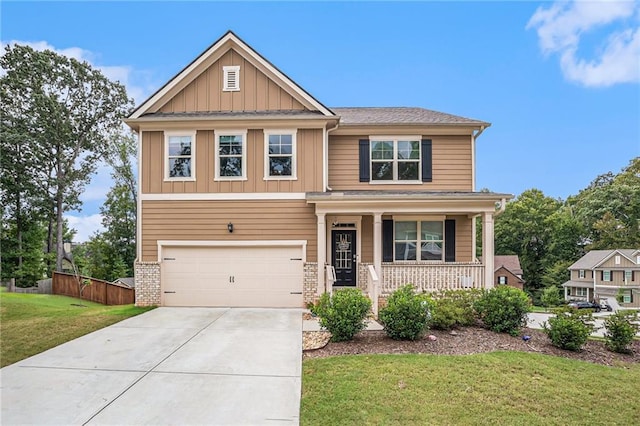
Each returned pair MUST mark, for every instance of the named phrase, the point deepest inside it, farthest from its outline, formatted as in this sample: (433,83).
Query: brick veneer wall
(147,278)
(310,283)
(363,276)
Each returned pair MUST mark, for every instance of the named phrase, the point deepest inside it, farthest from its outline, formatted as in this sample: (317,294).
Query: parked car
(605,305)
(585,305)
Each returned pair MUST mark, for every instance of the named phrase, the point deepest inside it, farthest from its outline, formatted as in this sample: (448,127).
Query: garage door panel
(232,276)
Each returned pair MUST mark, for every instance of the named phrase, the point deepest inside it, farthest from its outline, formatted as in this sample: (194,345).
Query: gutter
(503,205)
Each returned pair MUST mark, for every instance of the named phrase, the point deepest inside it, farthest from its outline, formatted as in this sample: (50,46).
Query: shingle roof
(510,262)
(594,257)
(399,115)
(581,284)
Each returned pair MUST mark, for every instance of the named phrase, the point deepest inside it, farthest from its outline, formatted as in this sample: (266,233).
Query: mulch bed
(464,341)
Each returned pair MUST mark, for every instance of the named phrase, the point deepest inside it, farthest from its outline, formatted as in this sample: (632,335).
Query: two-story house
(602,274)
(254,193)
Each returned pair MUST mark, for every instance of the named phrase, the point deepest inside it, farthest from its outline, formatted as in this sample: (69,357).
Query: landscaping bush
(504,309)
(453,308)
(550,297)
(343,314)
(406,314)
(569,329)
(621,329)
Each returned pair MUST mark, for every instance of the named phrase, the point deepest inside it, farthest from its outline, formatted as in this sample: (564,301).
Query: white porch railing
(373,284)
(431,277)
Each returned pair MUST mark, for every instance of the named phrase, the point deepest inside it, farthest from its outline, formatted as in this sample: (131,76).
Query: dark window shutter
(633,275)
(427,160)
(601,275)
(387,240)
(450,240)
(365,168)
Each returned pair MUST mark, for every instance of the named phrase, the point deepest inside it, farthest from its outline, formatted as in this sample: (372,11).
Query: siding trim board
(223,196)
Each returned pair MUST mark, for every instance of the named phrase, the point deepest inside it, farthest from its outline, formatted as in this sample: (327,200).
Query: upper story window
(581,273)
(231,78)
(395,160)
(606,276)
(280,154)
(628,276)
(418,240)
(231,155)
(180,156)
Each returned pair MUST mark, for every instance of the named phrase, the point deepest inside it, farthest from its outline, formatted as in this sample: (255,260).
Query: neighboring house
(254,193)
(508,271)
(128,281)
(606,273)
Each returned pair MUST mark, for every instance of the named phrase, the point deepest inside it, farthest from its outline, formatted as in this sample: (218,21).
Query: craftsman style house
(606,274)
(254,193)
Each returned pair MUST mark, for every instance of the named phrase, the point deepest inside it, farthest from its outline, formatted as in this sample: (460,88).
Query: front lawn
(33,323)
(493,388)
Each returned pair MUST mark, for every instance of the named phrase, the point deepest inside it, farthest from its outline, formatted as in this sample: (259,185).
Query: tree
(67,112)
(110,254)
(609,209)
(550,296)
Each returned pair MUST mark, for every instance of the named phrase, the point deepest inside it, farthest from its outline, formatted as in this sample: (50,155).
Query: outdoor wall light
(230,227)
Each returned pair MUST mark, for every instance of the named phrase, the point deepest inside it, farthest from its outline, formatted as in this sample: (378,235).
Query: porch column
(377,244)
(322,253)
(488,249)
(566,293)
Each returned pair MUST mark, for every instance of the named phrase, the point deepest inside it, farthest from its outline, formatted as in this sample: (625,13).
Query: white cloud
(561,28)
(85,226)
(132,79)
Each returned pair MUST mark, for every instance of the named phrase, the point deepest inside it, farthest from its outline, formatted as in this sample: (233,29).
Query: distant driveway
(537,319)
(177,366)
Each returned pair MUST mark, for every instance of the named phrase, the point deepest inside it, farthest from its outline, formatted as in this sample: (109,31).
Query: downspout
(325,156)
(139,201)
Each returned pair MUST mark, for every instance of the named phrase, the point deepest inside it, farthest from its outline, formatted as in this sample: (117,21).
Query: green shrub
(406,314)
(504,309)
(621,329)
(453,308)
(550,297)
(569,329)
(343,314)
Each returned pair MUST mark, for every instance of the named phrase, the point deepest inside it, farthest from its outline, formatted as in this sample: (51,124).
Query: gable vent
(231,78)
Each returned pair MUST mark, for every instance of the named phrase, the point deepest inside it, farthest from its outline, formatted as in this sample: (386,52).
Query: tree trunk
(19,236)
(49,241)
(59,229)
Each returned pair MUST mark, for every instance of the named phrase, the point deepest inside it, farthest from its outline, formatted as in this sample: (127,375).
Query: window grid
(395,160)
(428,236)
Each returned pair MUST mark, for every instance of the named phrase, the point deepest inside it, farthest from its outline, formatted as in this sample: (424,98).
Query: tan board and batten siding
(257,91)
(452,168)
(206,220)
(309,166)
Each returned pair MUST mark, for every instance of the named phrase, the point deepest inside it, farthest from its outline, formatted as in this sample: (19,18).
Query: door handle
(232,279)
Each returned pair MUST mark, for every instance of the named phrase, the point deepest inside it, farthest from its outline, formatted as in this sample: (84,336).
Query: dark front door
(343,246)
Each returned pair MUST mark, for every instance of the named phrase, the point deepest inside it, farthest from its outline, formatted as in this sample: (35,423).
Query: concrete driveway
(178,366)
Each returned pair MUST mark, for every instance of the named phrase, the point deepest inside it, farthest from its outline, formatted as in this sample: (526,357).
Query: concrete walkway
(174,366)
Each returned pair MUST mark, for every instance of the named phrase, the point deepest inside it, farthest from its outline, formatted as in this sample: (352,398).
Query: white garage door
(232,276)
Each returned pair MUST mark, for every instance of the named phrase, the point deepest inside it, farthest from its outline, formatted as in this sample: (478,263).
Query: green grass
(501,388)
(33,323)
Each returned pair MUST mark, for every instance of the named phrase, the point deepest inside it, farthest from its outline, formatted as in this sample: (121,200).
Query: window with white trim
(231,155)
(502,280)
(231,78)
(418,240)
(581,273)
(606,276)
(628,276)
(180,156)
(626,297)
(581,292)
(395,159)
(280,154)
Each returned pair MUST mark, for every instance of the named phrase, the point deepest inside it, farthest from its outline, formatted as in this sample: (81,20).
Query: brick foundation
(310,283)
(147,276)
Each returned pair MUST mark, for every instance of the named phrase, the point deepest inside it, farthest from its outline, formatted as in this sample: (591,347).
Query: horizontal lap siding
(452,168)
(207,220)
(309,166)
(257,91)
(464,238)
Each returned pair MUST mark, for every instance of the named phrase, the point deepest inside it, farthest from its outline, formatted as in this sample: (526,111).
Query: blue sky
(559,81)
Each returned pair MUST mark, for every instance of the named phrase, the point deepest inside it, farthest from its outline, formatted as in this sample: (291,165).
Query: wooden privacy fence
(98,291)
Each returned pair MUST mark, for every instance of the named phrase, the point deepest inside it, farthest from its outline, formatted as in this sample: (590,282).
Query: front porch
(380,240)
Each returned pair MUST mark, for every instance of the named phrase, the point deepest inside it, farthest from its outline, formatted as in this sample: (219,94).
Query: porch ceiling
(411,202)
